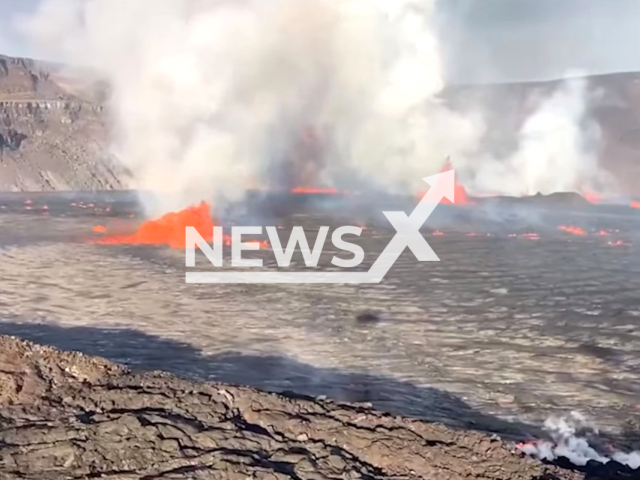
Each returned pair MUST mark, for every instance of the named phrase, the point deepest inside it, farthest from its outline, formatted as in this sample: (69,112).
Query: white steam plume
(576,449)
(210,98)
(208,95)
(558,148)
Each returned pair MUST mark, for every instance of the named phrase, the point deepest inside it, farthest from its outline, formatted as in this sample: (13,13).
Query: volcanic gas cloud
(208,97)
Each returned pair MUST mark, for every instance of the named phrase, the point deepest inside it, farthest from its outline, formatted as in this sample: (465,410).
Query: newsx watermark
(407,236)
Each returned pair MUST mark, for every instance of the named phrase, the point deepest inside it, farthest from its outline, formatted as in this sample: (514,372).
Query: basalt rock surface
(66,415)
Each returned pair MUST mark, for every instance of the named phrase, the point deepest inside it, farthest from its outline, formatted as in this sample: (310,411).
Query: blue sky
(499,40)
(10,43)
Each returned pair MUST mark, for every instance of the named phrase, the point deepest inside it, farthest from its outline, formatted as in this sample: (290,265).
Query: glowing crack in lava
(531,236)
(315,191)
(572,230)
(168,229)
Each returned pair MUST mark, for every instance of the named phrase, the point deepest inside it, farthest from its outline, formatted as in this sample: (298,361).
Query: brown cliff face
(49,138)
(619,118)
(21,78)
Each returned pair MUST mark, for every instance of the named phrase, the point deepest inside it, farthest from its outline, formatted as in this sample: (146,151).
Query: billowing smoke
(558,148)
(212,95)
(568,444)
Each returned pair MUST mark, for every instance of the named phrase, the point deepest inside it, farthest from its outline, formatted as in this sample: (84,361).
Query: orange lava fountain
(168,229)
(461,195)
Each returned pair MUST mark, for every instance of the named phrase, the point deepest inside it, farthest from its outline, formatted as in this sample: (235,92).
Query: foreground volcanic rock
(66,415)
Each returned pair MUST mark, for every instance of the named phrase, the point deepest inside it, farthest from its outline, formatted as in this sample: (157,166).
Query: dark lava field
(532,311)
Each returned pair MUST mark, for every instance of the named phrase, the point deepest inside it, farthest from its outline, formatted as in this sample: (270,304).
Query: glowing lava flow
(461,196)
(531,236)
(618,243)
(315,191)
(572,230)
(592,197)
(169,229)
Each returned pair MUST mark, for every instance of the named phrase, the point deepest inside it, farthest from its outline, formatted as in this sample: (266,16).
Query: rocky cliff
(50,138)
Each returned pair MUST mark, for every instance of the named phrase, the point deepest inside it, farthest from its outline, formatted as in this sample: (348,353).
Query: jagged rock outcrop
(50,139)
(25,78)
(65,415)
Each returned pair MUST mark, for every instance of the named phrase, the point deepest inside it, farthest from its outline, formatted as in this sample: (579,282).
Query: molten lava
(461,196)
(460,193)
(531,236)
(169,229)
(315,191)
(592,197)
(572,230)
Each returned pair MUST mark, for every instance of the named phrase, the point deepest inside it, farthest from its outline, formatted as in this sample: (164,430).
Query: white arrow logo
(407,236)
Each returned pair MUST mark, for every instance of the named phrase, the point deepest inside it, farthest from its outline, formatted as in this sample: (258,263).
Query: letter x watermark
(407,236)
